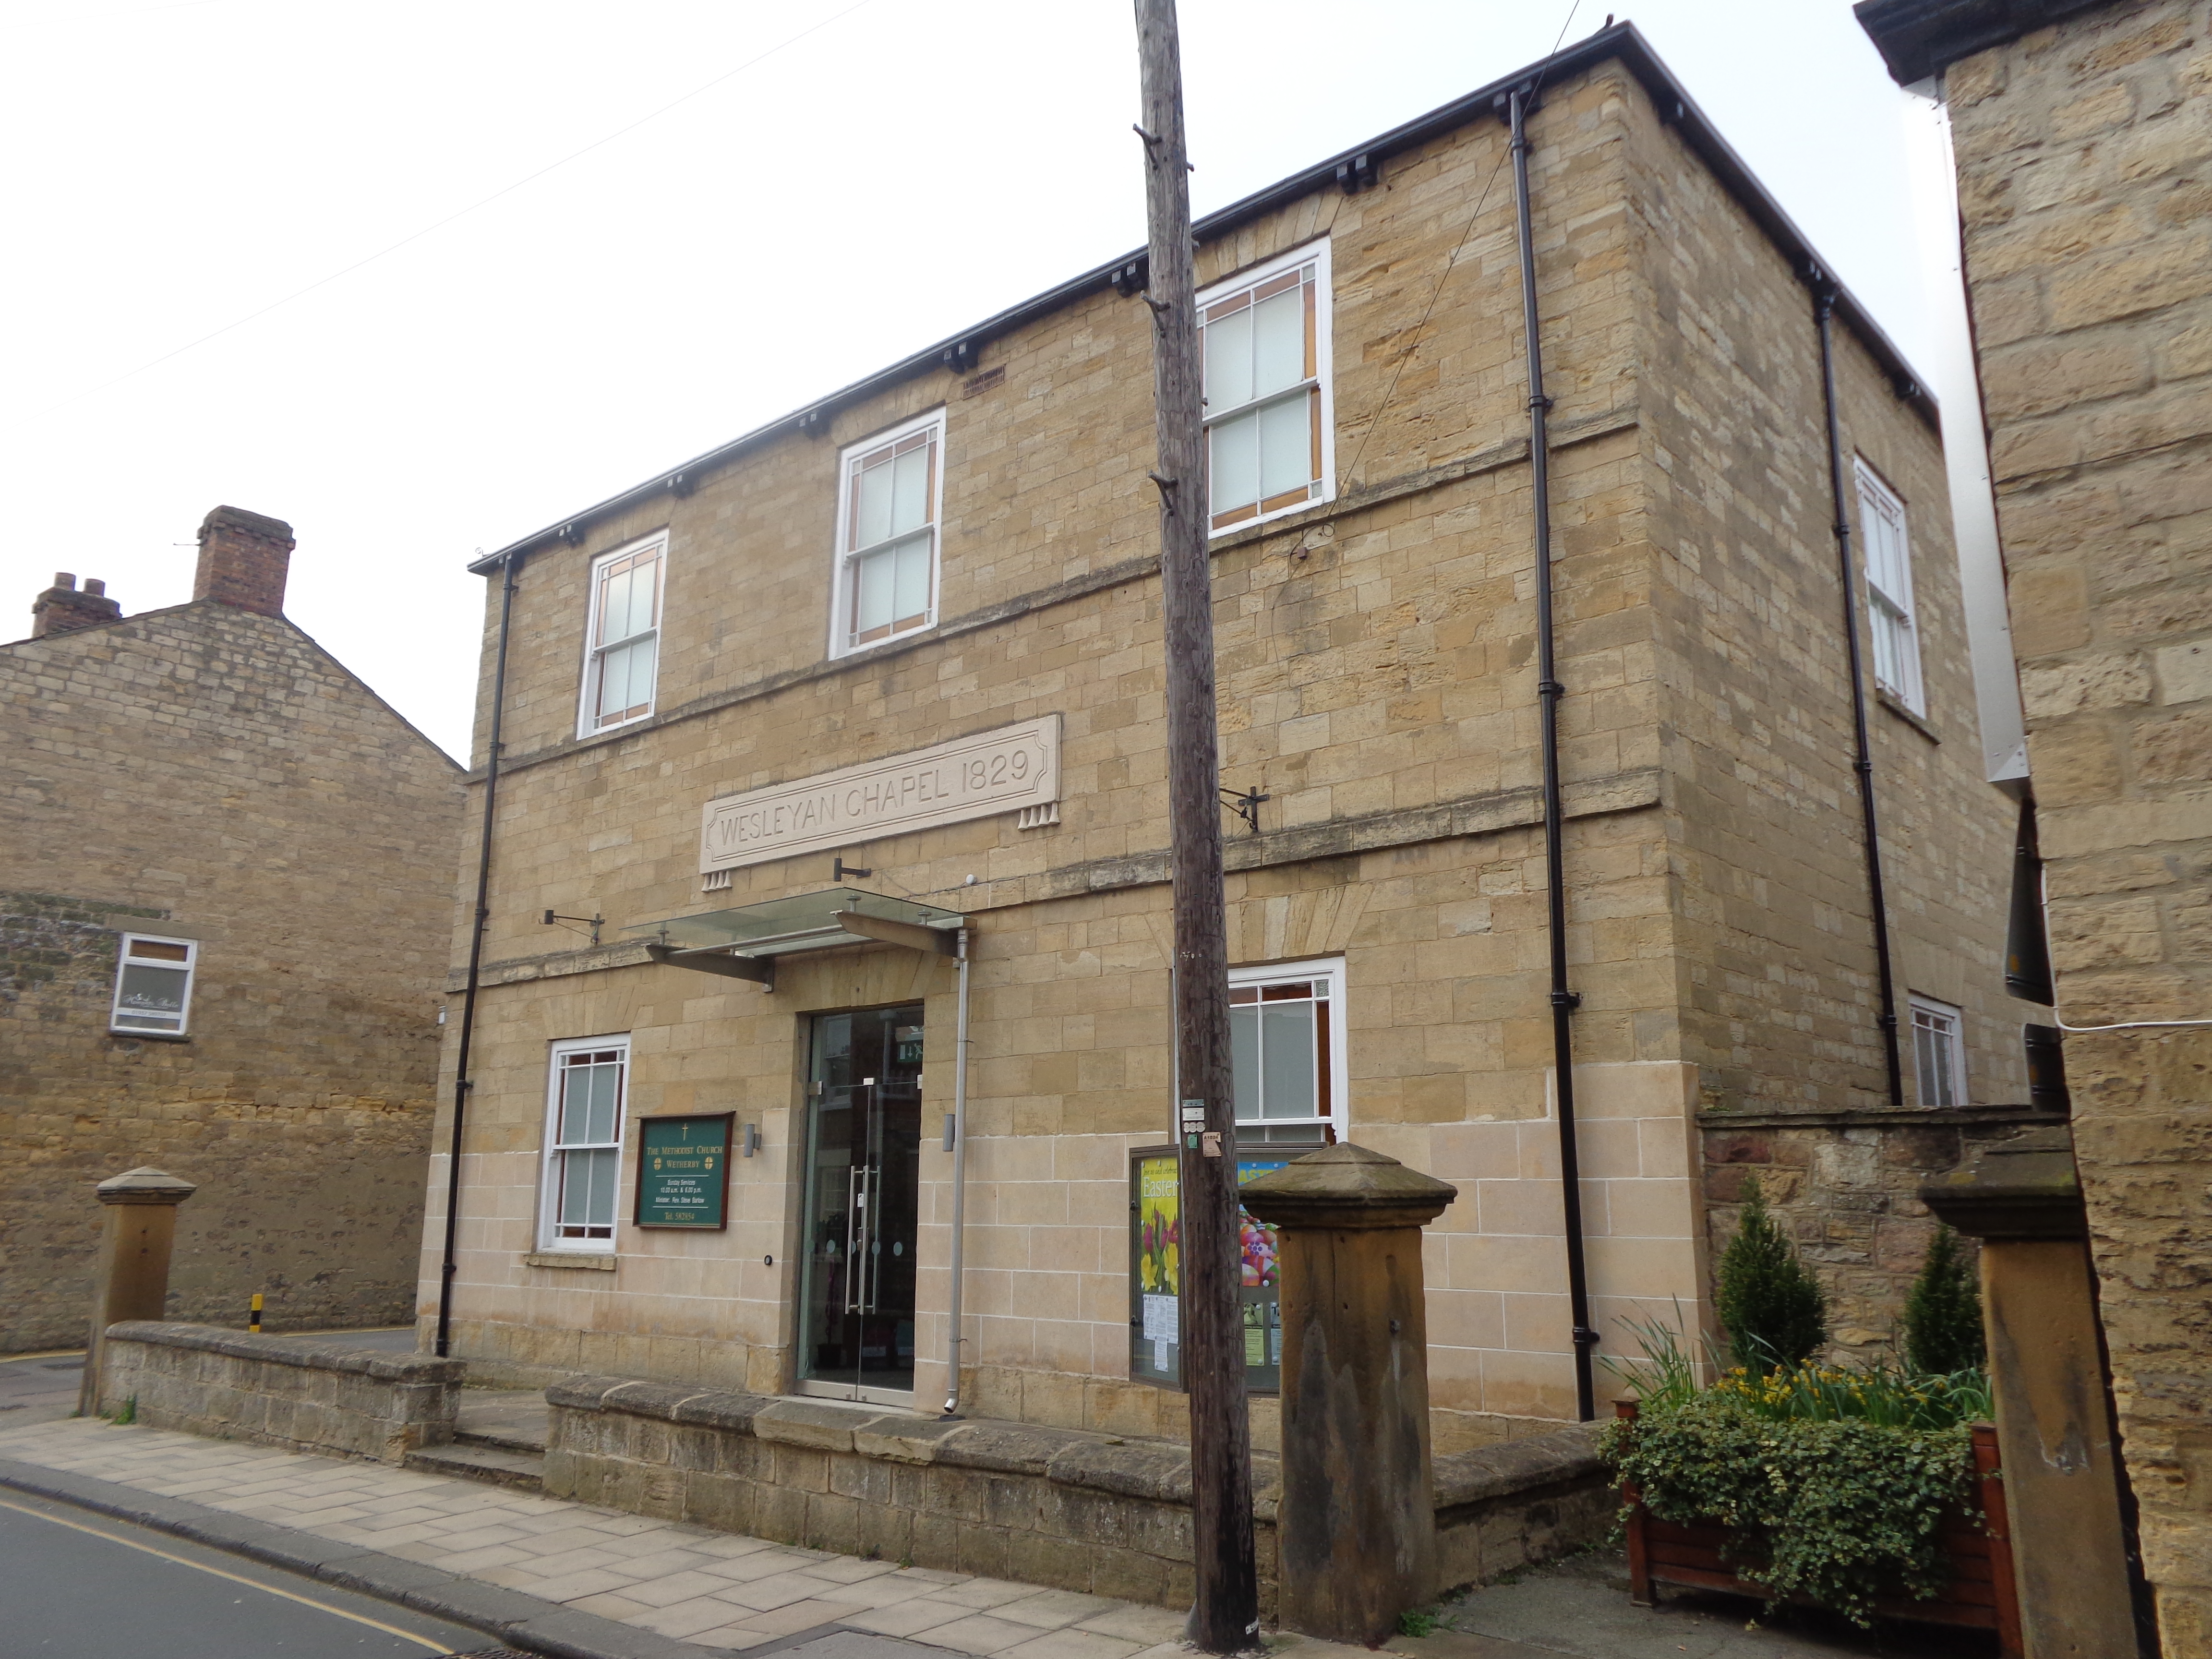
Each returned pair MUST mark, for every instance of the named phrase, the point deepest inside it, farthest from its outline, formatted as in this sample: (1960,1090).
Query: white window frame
(587,716)
(1891,618)
(1338,1119)
(1953,1024)
(549,1196)
(844,559)
(190,964)
(1323,377)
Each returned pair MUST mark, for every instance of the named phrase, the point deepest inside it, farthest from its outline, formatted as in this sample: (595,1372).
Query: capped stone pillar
(133,1276)
(2022,1199)
(1357,1526)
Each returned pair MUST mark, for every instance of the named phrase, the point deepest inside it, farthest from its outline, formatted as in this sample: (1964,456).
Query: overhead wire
(462,213)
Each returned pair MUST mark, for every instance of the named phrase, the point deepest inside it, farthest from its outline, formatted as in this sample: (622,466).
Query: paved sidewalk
(714,1591)
(1578,1608)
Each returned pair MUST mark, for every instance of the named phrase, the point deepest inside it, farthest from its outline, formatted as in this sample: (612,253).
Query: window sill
(594,1261)
(152,1036)
(846,653)
(1918,722)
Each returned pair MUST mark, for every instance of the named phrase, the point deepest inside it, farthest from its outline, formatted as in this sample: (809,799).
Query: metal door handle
(856,1229)
(870,1194)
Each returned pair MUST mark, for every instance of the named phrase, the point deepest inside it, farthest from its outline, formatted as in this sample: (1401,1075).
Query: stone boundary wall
(279,1390)
(1846,1186)
(1063,1508)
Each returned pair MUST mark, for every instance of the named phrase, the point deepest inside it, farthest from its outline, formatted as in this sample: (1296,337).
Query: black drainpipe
(1824,306)
(1549,691)
(462,1084)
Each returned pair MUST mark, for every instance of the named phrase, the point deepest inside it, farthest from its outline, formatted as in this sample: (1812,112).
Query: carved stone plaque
(974,777)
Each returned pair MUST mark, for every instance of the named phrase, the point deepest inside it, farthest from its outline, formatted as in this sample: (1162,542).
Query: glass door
(863,1173)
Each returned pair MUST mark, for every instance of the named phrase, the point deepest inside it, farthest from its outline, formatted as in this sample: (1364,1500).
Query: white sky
(906,168)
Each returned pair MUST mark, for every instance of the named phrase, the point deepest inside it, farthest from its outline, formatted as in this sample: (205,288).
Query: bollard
(253,1316)
(1356,1526)
(133,1277)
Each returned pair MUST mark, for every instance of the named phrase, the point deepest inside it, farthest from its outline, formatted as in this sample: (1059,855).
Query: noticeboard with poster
(684,1172)
(1156,1276)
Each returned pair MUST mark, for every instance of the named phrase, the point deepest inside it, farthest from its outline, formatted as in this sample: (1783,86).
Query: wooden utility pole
(1225,1616)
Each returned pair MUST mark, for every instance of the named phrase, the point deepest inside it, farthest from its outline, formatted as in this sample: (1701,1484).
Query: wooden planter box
(1979,1546)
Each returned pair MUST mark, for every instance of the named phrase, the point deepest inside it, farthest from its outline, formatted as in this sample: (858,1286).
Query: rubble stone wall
(211,774)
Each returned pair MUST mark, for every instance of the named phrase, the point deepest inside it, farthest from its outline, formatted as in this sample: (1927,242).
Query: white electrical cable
(2044,880)
(2129,1025)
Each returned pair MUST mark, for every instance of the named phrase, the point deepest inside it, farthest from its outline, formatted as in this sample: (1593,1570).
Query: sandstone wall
(278,1391)
(1774,919)
(1079,1511)
(2082,154)
(208,773)
(1377,680)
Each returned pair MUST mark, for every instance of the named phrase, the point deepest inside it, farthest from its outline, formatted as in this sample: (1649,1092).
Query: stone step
(513,1440)
(525,1471)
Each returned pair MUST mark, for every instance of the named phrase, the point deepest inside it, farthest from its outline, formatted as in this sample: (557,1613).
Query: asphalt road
(76,1585)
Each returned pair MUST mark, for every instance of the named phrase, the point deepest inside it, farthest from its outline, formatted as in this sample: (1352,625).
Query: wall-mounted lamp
(951,1130)
(752,1142)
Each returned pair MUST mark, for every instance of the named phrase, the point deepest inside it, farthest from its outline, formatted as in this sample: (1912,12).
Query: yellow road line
(235,1578)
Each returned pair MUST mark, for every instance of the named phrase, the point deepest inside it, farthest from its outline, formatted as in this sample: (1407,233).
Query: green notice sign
(684,1172)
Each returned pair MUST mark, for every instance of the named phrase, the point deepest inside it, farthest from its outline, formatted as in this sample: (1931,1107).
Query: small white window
(622,654)
(1286,1048)
(583,1143)
(154,985)
(1889,591)
(1938,1055)
(887,539)
(1270,442)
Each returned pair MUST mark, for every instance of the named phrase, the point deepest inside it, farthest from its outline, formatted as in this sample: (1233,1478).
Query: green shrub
(1775,1311)
(1841,1511)
(1943,1314)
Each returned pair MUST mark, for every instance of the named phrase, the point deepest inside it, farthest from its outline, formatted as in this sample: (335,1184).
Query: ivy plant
(1841,1511)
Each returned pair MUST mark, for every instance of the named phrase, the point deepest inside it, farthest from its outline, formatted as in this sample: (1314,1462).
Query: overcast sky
(881,174)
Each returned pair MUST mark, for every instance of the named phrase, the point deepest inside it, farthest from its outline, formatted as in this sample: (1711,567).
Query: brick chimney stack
(244,559)
(63,610)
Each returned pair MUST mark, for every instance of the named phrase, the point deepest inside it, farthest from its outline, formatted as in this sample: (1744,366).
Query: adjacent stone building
(915,629)
(226,874)
(2083,136)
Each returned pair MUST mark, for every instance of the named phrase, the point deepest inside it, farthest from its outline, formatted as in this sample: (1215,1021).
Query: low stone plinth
(279,1390)
(1060,1508)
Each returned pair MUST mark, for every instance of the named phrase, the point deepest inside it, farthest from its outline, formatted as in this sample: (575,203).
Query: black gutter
(462,1082)
(1824,305)
(1352,169)
(1548,693)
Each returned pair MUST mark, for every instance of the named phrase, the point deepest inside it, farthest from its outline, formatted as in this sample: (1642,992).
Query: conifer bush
(1775,1312)
(1943,1314)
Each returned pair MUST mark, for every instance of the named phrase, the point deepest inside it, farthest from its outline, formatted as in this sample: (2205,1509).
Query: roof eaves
(1622,40)
(1920,38)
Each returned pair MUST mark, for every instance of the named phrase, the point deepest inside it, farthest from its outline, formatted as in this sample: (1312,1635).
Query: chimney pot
(94,586)
(61,610)
(244,560)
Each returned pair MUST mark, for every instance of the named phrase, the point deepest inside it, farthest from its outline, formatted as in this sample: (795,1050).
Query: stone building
(225,883)
(2082,133)
(915,629)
